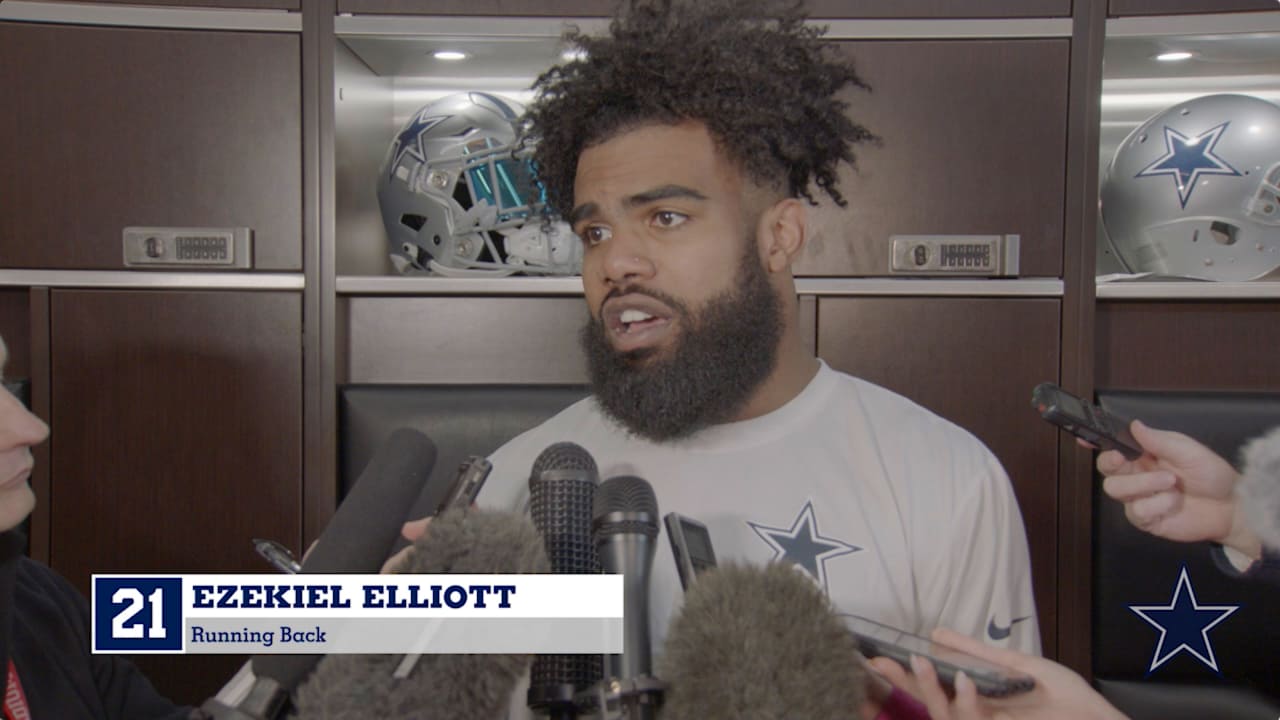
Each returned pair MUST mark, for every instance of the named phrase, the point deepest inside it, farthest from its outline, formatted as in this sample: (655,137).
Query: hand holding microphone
(356,540)
(347,687)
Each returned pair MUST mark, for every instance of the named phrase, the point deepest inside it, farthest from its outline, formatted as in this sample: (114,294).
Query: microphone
(624,526)
(1259,487)
(562,485)
(356,540)
(759,642)
(348,687)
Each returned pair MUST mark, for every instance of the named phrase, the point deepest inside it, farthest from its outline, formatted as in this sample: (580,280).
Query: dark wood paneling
(973,361)
(42,406)
(1075,464)
(1181,7)
(974,142)
(320,344)
(15,328)
(465,340)
(818,8)
(178,426)
(809,323)
(1188,346)
(119,126)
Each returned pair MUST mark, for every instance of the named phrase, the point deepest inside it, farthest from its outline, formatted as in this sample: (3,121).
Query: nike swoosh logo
(995,632)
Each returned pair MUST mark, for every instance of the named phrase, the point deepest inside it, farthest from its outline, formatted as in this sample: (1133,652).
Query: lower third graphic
(137,614)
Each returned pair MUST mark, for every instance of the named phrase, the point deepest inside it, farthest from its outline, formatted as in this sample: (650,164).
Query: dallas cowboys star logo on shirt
(1186,159)
(803,545)
(1184,624)
(409,141)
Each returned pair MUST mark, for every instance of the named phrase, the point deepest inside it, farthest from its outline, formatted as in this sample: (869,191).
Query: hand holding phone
(1085,420)
(990,679)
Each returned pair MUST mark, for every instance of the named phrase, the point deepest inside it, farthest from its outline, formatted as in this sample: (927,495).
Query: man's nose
(628,258)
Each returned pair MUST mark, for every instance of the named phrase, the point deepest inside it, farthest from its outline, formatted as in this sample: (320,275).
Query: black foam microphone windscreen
(757,643)
(347,687)
(562,486)
(359,537)
(1259,487)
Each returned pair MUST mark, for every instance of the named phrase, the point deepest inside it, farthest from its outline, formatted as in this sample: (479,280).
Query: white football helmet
(1195,191)
(458,199)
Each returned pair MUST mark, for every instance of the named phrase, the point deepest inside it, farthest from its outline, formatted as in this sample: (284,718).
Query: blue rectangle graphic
(137,614)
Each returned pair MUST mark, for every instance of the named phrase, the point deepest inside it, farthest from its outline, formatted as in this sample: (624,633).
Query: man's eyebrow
(663,193)
(640,199)
(582,211)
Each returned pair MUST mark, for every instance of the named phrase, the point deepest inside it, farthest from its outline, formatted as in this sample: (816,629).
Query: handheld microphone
(624,527)
(760,642)
(356,540)
(1259,487)
(348,687)
(562,485)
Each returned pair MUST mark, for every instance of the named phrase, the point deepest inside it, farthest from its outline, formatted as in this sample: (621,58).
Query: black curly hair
(762,81)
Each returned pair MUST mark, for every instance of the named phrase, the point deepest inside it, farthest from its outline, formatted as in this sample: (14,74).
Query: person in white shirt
(682,148)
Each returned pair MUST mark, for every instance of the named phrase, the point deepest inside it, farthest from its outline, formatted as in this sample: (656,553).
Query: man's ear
(782,232)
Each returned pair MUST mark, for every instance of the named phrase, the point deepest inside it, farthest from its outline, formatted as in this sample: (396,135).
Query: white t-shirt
(900,515)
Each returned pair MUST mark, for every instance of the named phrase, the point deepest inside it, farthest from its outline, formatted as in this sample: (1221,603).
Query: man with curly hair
(684,149)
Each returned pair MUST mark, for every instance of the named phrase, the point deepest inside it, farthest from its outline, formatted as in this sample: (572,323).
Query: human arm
(976,576)
(1060,694)
(1179,490)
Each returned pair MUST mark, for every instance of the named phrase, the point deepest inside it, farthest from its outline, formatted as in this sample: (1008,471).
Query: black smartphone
(691,546)
(471,476)
(992,680)
(1085,420)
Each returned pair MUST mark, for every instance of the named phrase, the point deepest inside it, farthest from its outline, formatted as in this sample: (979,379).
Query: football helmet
(1195,191)
(459,199)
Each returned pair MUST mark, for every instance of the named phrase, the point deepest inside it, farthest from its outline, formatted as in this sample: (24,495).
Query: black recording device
(991,680)
(1085,420)
(471,476)
(691,546)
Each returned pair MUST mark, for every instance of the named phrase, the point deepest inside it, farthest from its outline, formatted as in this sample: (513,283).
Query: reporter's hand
(922,683)
(1059,694)
(1179,490)
(411,531)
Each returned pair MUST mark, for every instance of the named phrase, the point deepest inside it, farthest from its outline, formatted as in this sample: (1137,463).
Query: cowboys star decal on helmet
(1195,191)
(458,198)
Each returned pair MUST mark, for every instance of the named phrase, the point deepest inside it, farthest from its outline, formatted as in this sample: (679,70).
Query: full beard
(722,354)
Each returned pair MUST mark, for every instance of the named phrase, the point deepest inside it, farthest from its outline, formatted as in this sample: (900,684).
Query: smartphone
(691,546)
(992,680)
(471,476)
(1085,420)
